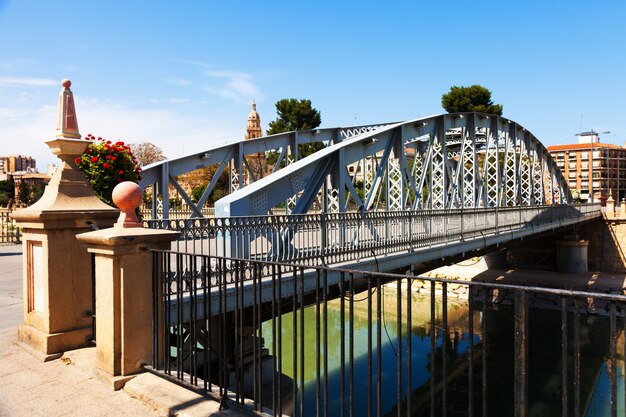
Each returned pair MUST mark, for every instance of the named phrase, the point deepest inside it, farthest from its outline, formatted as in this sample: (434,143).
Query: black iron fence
(366,344)
(9,232)
(332,238)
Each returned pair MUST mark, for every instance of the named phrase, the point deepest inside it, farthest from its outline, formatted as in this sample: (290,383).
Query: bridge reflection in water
(544,358)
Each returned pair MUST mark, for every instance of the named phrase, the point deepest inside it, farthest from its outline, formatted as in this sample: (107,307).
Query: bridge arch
(459,160)
(231,158)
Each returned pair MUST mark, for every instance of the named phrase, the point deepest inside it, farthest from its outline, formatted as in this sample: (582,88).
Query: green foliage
(294,114)
(106,164)
(307,149)
(37,192)
(8,187)
(7,191)
(23,195)
(175,203)
(474,98)
(220,190)
(4,198)
(197,191)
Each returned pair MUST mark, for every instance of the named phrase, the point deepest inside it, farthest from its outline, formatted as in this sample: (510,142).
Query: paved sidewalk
(29,387)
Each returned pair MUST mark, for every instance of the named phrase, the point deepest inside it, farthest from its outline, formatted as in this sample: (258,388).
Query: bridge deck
(229,296)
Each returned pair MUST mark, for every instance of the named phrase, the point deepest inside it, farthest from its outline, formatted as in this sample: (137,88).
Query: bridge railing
(361,345)
(9,232)
(316,239)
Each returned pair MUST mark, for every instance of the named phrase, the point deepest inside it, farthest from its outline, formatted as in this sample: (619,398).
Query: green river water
(544,348)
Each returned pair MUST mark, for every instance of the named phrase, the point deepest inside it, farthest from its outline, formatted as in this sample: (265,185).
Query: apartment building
(593,169)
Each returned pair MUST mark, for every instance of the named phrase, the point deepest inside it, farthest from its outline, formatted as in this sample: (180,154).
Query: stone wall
(607,243)
(606,250)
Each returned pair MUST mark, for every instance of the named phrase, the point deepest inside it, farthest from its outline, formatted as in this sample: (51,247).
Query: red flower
(77,160)
(94,159)
(105,165)
(113,157)
(121,172)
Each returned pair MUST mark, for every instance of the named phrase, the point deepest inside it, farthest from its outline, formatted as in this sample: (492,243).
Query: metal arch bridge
(232,158)
(461,160)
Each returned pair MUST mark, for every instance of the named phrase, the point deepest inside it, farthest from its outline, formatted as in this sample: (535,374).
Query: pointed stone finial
(253,105)
(67,123)
(610,205)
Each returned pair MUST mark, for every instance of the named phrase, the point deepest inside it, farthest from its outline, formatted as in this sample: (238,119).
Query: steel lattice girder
(232,157)
(461,159)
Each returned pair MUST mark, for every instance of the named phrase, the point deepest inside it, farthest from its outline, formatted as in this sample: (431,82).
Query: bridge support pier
(571,256)
(496,259)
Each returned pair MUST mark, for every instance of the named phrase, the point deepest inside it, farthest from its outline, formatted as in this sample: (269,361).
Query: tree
(147,153)
(199,180)
(7,187)
(294,114)
(474,98)
(36,191)
(23,195)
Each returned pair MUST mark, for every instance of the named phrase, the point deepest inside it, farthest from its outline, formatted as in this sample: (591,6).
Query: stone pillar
(622,213)
(57,277)
(124,295)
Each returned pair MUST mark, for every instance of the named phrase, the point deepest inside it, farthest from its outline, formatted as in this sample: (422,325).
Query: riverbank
(476,270)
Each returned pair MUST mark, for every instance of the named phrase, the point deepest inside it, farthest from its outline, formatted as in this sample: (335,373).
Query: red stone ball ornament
(127,196)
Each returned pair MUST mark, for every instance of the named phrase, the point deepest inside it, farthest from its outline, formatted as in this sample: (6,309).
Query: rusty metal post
(521,354)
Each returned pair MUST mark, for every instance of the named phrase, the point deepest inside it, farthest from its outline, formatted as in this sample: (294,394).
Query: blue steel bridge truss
(459,160)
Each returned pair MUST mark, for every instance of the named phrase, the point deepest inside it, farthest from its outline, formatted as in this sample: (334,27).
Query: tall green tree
(473,98)
(294,114)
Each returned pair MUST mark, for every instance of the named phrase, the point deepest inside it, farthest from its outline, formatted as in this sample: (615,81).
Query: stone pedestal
(57,273)
(610,206)
(124,307)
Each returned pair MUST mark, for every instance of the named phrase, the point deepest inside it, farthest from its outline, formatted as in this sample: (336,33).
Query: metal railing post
(461,231)
(496,219)
(521,354)
(324,236)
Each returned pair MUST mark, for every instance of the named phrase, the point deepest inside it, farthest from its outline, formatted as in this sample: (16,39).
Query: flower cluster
(106,164)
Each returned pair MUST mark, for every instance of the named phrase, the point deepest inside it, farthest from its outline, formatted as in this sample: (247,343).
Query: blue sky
(183,74)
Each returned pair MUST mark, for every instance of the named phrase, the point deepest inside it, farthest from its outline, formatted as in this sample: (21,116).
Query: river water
(544,350)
